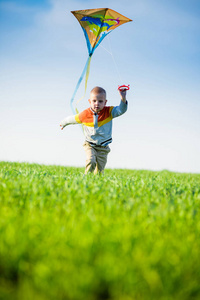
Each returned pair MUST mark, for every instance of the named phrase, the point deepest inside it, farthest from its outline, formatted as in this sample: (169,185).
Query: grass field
(125,235)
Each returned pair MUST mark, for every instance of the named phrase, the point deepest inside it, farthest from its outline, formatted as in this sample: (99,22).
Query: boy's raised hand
(122,93)
(61,127)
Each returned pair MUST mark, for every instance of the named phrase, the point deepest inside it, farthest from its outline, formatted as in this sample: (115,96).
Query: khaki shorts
(96,158)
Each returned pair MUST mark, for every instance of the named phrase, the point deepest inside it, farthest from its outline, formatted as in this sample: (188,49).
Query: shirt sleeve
(119,110)
(71,120)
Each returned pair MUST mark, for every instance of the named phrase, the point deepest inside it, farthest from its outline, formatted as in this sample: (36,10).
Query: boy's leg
(90,158)
(101,158)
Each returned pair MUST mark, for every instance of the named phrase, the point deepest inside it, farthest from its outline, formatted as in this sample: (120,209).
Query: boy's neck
(96,113)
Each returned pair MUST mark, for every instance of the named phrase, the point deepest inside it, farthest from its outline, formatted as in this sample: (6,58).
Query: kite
(96,24)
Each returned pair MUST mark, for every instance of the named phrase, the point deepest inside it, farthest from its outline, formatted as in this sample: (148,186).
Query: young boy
(97,125)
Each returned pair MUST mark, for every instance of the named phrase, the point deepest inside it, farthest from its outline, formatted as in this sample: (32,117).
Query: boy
(97,125)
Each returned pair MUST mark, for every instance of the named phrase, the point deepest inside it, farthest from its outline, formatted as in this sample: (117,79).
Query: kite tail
(86,71)
(86,80)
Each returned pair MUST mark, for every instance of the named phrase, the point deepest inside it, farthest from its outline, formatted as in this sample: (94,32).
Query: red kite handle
(124,87)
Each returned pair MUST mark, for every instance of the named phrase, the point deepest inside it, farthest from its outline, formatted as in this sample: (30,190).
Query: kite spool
(124,87)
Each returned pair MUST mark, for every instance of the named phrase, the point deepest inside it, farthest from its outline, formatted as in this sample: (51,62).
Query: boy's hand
(61,127)
(122,93)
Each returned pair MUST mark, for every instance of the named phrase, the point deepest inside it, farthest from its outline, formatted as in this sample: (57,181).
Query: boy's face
(97,101)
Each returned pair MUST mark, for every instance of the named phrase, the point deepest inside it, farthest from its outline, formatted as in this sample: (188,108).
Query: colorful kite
(96,24)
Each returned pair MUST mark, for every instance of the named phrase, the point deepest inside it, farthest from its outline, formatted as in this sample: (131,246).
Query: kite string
(111,53)
(86,72)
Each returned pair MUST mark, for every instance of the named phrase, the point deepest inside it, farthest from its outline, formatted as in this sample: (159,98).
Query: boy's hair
(98,90)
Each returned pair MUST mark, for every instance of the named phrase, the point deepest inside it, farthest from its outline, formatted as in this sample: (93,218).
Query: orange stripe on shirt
(104,113)
(106,116)
(86,117)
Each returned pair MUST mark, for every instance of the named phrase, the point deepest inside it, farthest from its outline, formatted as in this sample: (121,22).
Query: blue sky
(43,52)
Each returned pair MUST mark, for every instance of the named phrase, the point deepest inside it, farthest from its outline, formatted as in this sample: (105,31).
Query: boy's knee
(93,163)
(90,164)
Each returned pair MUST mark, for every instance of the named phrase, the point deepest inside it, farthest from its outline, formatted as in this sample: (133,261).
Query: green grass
(125,235)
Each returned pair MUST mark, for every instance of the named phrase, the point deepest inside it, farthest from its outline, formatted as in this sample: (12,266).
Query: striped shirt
(97,126)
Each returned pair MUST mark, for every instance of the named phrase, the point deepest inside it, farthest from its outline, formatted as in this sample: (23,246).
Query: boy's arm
(68,121)
(123,95)
(122,108)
